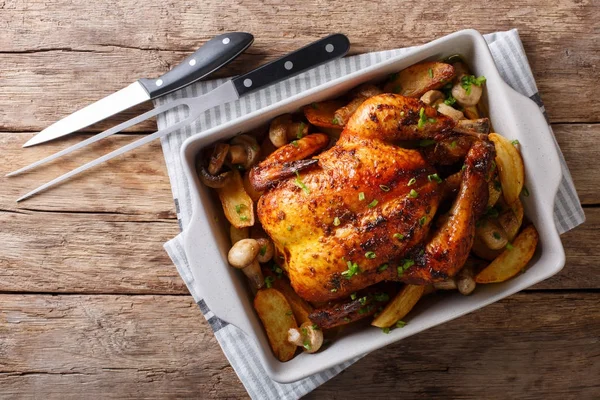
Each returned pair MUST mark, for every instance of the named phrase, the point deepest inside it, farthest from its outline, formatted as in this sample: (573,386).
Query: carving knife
(211,56)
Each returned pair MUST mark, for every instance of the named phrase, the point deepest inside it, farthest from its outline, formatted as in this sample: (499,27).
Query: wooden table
(90,304)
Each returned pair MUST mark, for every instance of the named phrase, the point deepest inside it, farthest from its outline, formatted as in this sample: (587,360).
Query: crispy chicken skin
(370,202)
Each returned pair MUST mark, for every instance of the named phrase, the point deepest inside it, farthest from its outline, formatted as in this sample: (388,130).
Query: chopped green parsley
(469,80)
(381,297)
(449,100)
(406,264)
(301,184)
(434,177)
(353,269)
(269,281)
(300,130)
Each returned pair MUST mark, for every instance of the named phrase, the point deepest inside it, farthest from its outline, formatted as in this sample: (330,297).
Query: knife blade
(315,54)
(214,54)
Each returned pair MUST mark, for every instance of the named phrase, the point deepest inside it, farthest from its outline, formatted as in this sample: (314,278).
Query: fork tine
(113,154)
(102,135)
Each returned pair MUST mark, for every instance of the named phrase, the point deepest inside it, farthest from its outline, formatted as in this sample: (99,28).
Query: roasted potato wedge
(495,191)
(400,305)
(237,204)
(300,307)
(277,317)
(510,167)
(237,234)
(254,194)
(323,114)
(511,219)
(512,260)
(417,79)
(471,112)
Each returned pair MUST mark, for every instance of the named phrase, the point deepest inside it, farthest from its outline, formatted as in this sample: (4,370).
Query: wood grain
(112,253)
(90,302)
(528,346)
(115,245)
(54,64)
(582,268)
(110,347)
(135,183)
(579,145)
(91,253)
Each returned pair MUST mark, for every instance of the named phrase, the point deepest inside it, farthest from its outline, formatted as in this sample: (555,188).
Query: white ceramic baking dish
(225,290)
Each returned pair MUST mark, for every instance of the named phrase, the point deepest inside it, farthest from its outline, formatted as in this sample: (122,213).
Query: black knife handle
(213,55)
(311,56)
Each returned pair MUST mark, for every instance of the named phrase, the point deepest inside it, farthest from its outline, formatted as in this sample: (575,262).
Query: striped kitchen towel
(512,63)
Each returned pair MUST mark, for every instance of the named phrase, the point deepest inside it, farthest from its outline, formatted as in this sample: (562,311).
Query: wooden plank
(121,252)
(54,64)
(579,144)
(110,347)
(112,253)
(529,346)
(90,253)
(582,269)
(135,183)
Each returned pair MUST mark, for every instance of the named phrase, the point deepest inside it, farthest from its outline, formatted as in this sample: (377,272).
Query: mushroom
(250,146)
(237,154)
(450,111)
(448,284)
(212,181)
(217,158)
(462,97)
(432,96)
(309,336)
(460,68)
(243,255)
(464,280)
(266,251)
(284,129)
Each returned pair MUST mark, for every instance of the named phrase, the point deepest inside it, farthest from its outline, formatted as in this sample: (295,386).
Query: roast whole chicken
(366,210)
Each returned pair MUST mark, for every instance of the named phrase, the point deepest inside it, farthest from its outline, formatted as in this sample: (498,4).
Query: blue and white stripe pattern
(512,63)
